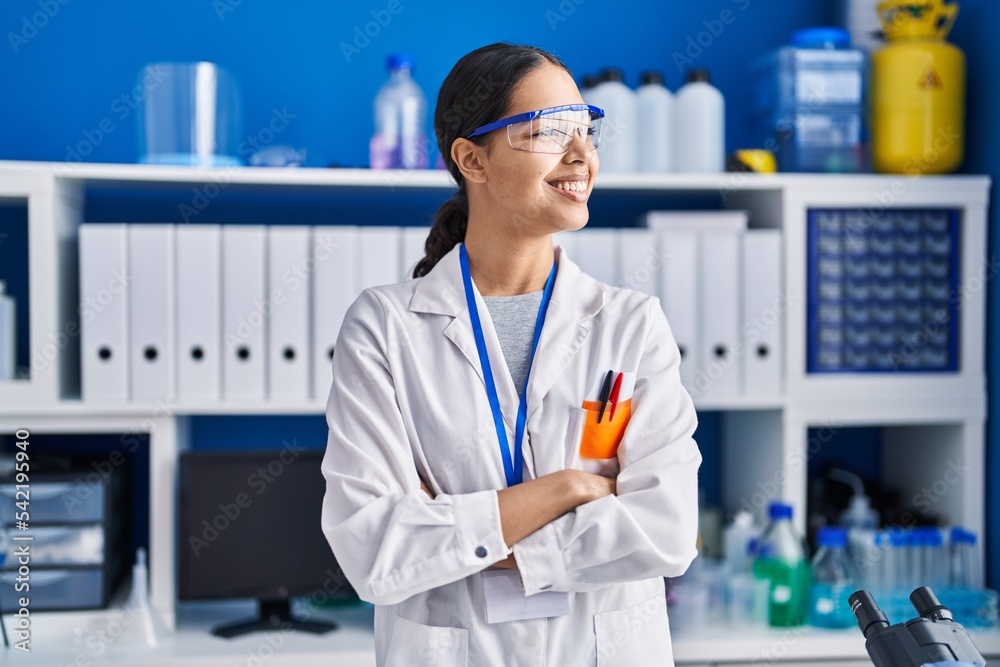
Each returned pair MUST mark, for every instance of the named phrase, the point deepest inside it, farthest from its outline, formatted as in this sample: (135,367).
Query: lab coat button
(481,552)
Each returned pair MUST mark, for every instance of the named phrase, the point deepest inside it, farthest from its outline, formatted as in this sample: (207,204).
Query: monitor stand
(274,614)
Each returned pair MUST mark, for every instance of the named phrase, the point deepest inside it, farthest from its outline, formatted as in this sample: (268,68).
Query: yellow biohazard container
(917,90)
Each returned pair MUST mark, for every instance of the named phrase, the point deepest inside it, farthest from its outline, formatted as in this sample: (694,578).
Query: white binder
(104,300)
(288,288)
(152,309)
(414,239)
(335,287)
(720,370)
(597,250)
(199,309)
(763,312)
(244,312)
(379,250)
(696,221)
(638,262)
(680,296)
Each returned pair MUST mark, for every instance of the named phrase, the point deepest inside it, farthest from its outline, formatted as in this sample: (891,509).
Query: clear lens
(553,133)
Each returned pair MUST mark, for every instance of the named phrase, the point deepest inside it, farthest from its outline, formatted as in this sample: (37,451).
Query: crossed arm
(528,506)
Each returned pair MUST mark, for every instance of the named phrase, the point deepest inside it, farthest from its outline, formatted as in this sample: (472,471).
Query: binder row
(244,313)
(210,313)
(722,292)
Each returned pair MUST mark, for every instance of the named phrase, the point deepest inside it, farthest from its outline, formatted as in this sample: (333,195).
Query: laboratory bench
(82,638)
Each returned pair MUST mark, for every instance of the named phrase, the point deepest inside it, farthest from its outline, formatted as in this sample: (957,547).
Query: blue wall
(69,75)
(65,67)
(974,33)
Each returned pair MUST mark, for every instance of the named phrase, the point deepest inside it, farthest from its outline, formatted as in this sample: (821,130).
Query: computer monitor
(249,526)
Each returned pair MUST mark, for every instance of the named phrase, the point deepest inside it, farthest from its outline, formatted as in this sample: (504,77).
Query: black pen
(605,394)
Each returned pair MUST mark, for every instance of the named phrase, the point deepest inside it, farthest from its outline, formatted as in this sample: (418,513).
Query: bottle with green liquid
(781,559)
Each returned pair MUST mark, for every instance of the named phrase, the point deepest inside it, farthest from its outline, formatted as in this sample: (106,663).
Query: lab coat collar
(576,297)
(441,291)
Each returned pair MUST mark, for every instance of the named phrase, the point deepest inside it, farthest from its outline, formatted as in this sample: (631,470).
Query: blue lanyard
(512,470)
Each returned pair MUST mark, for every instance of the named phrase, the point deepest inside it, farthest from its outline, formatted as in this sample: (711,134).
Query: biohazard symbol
(930,79)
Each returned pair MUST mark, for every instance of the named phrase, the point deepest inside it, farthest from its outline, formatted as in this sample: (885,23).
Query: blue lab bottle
(833,581)
(781,560)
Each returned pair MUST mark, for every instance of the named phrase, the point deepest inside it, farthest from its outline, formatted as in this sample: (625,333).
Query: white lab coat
(408,402)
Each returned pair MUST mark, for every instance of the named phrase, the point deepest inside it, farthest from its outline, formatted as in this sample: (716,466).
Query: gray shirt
(514,320)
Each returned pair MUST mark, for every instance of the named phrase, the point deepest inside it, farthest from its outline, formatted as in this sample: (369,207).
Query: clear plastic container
(56,502)
(781,560)
(965,570)
(53,590)
(190,115)
(400,139)
(833,583)
(810,103)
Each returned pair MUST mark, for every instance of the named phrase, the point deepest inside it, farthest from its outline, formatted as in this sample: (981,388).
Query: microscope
(933,638)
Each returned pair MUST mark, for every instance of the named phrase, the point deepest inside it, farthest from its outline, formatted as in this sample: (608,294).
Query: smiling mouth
(570,186)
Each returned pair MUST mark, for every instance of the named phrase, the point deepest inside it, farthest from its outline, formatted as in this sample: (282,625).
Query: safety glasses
(549,130)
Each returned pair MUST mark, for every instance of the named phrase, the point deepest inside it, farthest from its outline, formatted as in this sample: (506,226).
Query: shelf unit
(930,420)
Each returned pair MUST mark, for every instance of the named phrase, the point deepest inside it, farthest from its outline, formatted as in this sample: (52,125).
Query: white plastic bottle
(699,126)
(587,86)
(619,134)
(7,342)
(656,113)
(400,139)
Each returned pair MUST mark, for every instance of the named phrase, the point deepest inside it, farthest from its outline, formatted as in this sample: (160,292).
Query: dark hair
(477,91)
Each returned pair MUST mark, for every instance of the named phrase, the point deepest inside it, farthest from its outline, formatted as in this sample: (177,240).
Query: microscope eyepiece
(866,610)
(927,605)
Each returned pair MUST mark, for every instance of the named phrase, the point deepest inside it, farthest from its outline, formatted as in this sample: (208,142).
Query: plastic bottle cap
(832,537)
(652,77)
(612,74)
(932,537)
(821,38)
(697,76)
(397,61)
(779,511)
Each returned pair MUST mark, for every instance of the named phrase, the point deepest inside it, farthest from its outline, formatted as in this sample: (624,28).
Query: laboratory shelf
(930,422)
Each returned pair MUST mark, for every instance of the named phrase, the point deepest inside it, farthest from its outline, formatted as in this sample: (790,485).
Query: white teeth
(572,186)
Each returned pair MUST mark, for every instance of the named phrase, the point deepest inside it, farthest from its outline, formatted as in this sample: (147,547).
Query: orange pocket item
(600,441)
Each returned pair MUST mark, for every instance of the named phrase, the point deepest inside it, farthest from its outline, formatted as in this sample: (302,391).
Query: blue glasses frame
(595,112)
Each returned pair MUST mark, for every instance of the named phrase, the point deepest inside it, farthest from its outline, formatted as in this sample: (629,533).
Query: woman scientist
(501,362)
